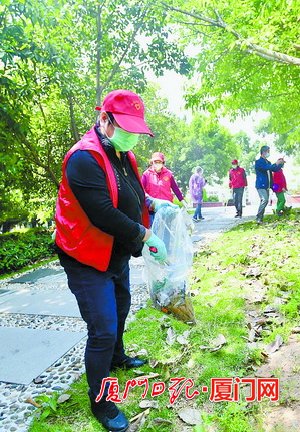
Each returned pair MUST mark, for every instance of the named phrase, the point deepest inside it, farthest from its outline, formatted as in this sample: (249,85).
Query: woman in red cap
(159,181)
(237,182)
(101,221)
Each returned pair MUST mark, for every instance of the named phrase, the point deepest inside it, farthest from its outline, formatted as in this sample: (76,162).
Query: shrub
(212,198)
(20,249)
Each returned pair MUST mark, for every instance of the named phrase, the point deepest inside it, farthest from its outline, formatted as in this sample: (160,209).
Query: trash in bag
(168,282)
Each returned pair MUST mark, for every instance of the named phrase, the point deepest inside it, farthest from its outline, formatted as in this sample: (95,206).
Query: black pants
(104,302)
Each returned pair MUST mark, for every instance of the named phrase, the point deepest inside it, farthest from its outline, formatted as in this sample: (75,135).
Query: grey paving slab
(49,302)
(26,353)
(35,275)
(57,277)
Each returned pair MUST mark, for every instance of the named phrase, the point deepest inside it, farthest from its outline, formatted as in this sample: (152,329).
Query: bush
(212,198)
(19,249)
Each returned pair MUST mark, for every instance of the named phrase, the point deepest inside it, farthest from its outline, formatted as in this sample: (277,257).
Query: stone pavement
(42,335)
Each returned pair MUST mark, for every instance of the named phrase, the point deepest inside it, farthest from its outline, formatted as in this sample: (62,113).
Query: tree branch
(74,129)
(249,47)
(129,42)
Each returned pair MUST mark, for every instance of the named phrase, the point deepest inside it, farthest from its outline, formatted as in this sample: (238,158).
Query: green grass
(220,307)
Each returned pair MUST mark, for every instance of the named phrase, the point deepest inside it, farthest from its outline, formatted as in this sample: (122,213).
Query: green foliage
(242,64)
(207,144)
(53,75)
(211,198)
(19,249)
(49,405)
(12,206)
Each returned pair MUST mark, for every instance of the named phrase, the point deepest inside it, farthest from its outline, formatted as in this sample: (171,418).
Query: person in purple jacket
(196,185)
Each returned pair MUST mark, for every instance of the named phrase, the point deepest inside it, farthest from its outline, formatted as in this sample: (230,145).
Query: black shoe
(109,416)
(129,363)
(237,215)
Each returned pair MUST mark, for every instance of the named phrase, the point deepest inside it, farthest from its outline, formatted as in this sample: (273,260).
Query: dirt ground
(285,364)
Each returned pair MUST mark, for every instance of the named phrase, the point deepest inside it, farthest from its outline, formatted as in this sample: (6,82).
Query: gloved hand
(159,203)
(157,248)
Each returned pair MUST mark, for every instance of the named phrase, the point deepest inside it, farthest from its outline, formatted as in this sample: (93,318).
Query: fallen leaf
(171,336)
(142,352)
(182,339)
(138,416)
(153,363)
(191,364)
(252,271)
(151,375)
(138,371)
(159,420)
(274,346)
(132,347)
(146,403)
(190,416)
(256,299)
(296,330)
(260,321)
(270,309)
(279,301)
(63,398)
(32,402)
(252,335)
(216,343)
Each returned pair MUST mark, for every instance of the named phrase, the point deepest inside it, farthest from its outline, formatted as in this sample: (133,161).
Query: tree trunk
(74,129)
(99,36)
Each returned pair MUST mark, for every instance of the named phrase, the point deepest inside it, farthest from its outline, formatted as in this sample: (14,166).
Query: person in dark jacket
(264,181)
(101,221)
(237,182)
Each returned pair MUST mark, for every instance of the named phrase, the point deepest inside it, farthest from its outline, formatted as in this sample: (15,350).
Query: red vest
(279,181)
(237,178)
(75,234)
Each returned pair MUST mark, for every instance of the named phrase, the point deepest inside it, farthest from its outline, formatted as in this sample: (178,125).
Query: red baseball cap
(158,156)
(128,110)
(234,162)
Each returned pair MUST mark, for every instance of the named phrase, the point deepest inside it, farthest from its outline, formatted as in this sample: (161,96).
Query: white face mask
(267,155)
(157,166)
(234,166)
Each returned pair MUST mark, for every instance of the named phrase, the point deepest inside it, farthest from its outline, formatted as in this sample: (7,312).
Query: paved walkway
(43,334)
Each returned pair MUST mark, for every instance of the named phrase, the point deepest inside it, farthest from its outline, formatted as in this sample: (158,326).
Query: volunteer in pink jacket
(158,181)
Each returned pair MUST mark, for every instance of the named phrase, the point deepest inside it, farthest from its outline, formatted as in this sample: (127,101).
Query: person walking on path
(237,182)
(159,182)
(264,179)
(101,221)
(196,185)
(279,187)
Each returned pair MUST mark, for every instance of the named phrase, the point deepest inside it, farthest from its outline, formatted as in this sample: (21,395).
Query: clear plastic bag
(168,283)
